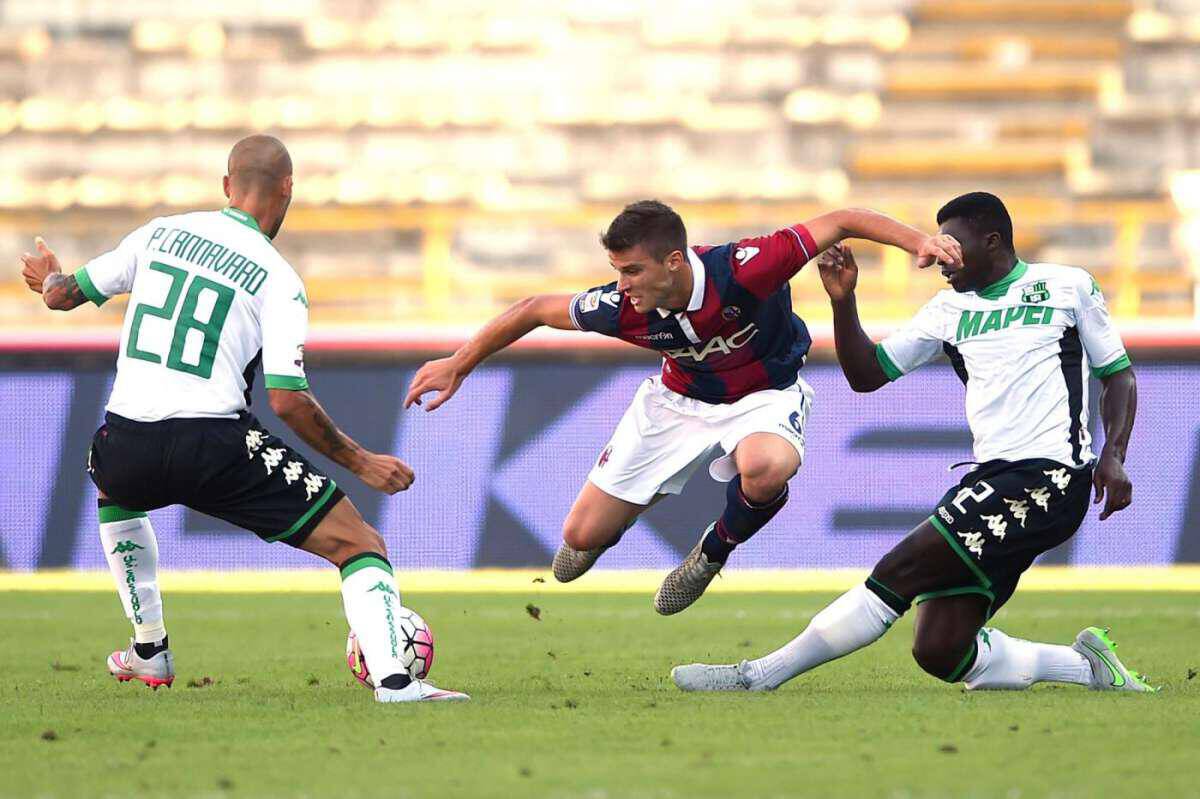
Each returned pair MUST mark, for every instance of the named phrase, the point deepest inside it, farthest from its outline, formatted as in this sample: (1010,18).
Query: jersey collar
(1001,286)
(237,214)
(697,298)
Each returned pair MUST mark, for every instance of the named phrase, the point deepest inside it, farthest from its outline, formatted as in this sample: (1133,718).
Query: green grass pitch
(578,704)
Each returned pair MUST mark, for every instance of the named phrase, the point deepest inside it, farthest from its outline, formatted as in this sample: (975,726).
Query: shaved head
(258,163)
(259,180)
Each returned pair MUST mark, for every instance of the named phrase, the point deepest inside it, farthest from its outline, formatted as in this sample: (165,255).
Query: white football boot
(155,671)
(1108,672)
(703,677)
(418,691)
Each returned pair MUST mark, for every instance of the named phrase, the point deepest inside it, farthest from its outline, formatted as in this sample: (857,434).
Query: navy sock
(741,519)
(149,650)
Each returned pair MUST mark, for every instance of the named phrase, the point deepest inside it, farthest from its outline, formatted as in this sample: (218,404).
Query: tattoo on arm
(305,415)
(62,292)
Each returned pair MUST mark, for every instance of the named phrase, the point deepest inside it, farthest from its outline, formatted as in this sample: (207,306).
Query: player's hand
(1110,479)
(443,376)
(385,473)
(839,271)
(939,248)
(39,267)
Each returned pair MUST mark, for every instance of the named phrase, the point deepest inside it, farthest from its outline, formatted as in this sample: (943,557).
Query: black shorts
(1003,514)
(232,469)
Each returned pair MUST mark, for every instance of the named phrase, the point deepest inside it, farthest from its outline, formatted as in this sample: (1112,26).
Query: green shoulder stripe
(887,364)
(1111,369)
(88,287)
(287,383)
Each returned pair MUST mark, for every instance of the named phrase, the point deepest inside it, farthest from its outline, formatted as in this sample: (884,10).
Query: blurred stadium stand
(453,156)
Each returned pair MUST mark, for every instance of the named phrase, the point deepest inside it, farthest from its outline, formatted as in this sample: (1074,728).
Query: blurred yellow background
(454,156)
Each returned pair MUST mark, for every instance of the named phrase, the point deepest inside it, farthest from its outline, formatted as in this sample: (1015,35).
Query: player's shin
(1006,663)
(371,601)
(740,520)
(857,618)
(132,553)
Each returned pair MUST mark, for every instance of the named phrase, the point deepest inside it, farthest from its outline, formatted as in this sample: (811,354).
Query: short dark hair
(982,211)
(647,222)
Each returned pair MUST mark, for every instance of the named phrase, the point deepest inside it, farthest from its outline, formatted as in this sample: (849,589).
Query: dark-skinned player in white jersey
(1021,337)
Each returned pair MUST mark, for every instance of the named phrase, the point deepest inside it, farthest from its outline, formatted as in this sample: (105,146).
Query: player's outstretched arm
(445,375)
(860,223)
(43,275)
(855,350)
(1118,406)
(300,411)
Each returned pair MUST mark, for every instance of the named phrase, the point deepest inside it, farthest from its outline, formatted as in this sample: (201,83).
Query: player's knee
(764,475)
(937,658)
(580,535)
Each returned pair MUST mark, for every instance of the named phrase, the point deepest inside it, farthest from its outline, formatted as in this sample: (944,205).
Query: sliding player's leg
(371,600)
(921,562)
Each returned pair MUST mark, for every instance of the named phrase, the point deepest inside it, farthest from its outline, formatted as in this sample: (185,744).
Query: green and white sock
(132,553)
(372,601)
(1007,663)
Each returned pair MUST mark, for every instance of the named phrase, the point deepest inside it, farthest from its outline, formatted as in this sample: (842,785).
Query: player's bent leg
(765,463)
(595,523)
(944,637)
(131,549)
(371,600)
(855,619)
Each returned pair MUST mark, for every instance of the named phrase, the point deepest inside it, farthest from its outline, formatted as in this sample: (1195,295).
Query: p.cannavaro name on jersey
(207,254)
(975,323)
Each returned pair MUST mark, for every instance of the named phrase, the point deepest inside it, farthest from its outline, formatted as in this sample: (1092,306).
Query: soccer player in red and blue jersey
(730,383)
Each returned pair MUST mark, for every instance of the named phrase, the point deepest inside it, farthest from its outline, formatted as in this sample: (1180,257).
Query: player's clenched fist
(385,473)
(839,272)
(443,376)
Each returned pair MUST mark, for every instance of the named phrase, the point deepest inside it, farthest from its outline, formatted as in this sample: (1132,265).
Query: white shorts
(664,436)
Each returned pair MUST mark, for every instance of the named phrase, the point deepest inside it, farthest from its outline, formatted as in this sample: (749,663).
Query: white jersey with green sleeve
(1023,347)
(210,298)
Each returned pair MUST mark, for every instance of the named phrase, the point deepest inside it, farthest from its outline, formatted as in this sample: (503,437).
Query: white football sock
(371,601)
(1004,662)
(853,620)
(132,553)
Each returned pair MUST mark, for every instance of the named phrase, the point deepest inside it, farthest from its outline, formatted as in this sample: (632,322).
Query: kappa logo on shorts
(312,484)
(1040,496)
(996,525)
(272,457)
(945,514)
(973,542)
(1060,478)
(254,441)
(1019,509)
(291,472)
(604,456)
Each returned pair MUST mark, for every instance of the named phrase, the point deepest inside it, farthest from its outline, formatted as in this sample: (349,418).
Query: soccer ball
(415,643)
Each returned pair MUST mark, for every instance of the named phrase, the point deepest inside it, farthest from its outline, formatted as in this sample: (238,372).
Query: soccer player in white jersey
(1022,338)
(211,298)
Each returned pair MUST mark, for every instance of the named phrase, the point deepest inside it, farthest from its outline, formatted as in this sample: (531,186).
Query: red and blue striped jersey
(738,333)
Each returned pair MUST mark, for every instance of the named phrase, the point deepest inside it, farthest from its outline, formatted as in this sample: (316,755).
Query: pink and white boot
(155,671)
